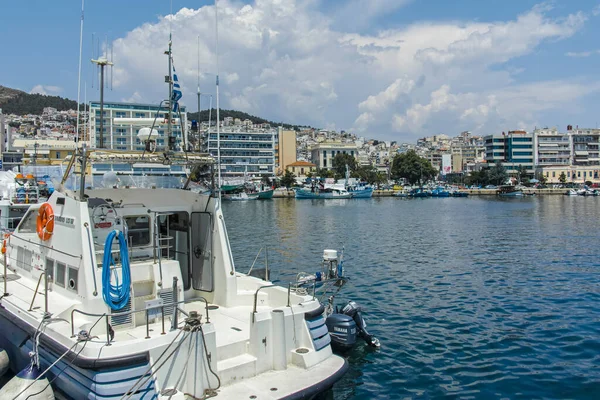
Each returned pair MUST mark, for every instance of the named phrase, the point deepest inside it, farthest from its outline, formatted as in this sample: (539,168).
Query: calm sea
(471,298)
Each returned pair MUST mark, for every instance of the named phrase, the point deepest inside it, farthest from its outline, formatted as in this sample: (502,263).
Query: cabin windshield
(29,222)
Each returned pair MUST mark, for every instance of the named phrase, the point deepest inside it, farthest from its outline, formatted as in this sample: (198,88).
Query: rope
(135,387)
(55,362)
(116,296)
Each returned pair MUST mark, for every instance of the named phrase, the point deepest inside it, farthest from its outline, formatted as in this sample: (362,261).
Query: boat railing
(146,310)
(289,293)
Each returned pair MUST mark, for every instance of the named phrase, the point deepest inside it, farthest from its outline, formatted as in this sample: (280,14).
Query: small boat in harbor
(440,192)
(240,196)
(360,191)
(419,193)
(509,191)
(322,193)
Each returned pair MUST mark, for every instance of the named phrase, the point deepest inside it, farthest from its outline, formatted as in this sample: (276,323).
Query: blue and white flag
(176,96)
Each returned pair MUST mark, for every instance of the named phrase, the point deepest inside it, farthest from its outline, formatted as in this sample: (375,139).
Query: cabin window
(60,274)
(138,230)
(29,222)
(73,274)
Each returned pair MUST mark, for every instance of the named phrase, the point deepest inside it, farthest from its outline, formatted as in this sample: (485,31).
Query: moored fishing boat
(322,193)
(509,191)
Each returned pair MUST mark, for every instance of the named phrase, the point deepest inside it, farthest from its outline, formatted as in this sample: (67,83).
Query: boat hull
(304,194)
(511,194)
(81,379)
(266,194)
(366,193)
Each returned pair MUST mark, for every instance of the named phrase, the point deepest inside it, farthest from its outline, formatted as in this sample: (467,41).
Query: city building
(586,143)
(301,168)
(44,151)
(123,121)
(513,150)
(551,148)
(243,151)
(322,154)
(285,146)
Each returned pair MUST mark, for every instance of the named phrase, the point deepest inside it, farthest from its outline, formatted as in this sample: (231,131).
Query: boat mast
(198,120)
(169,79)
(79,73)
(218,119)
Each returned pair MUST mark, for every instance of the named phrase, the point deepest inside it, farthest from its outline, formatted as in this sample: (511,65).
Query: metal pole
(171,144)
(101,106)
(5,276)
(83,168)
(218,118)
(174,322)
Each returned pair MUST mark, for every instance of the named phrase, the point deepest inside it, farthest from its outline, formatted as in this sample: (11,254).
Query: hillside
(18,102)
(241,115)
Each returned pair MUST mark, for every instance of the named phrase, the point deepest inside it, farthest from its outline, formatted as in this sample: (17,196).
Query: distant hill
(14,101)
(241,115)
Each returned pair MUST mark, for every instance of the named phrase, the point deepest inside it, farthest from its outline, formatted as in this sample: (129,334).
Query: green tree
(288,179)
(367,173)
(478,178)
(324,173)
(498,174)
(562,178)
(412,167)
(339,164)
(266,179)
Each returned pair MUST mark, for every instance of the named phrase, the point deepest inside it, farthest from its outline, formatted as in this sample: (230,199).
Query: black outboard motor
(342,330)
(353,311)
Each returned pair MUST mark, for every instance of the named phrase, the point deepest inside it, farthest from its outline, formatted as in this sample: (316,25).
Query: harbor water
(471,298)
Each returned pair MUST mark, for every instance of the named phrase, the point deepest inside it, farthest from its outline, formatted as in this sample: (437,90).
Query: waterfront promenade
(472,192)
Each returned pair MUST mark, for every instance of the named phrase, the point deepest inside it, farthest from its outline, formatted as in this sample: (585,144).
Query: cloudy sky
(386,69)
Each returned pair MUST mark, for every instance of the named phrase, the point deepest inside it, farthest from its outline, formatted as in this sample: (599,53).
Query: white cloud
(596,11)
(46,90)
(582,53)
(290,61)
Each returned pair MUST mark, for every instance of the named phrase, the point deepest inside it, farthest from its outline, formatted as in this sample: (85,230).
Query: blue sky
(388,69)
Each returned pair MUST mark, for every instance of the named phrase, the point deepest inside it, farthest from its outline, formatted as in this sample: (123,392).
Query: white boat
(241,196)
(161,313)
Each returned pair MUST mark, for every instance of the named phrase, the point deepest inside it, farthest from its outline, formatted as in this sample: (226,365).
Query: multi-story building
(513,150)
(45,151)
(586,143)
(322,154)
(463,154)
(123,121)
(285,149)
(243,151)
(551,148)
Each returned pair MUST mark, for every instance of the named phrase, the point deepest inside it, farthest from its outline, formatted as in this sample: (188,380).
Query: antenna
(102,62)
(93,55)
(218,119)
(79,73)
(111,60)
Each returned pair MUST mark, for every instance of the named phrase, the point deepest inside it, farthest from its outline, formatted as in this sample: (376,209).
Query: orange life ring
(45,221)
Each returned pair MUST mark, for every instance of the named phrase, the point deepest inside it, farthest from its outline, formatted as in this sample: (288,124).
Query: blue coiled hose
(116,296)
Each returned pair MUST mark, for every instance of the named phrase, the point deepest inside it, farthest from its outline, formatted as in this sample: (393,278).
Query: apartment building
(513,150)
(243,151)
(123,121)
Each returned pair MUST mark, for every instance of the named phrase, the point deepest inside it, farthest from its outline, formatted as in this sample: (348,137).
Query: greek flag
(176,96)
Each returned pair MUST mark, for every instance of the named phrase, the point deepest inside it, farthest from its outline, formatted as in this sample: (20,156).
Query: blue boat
(440,192)
(360,192)
(459,194)
(419,192)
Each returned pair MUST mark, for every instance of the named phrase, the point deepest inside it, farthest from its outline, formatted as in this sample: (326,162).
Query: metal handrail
(92,256)
(162,307)
(269,286)
(47,247)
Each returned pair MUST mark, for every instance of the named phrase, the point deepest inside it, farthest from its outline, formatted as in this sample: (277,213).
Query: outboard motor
(354,311)
(342,330)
